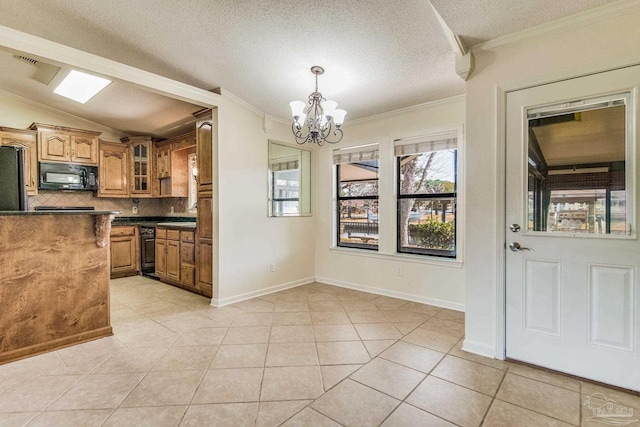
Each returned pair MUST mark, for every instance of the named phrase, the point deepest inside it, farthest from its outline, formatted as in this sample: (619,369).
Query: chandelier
(320,121)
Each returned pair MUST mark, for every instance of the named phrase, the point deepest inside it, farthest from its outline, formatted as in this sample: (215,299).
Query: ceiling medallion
(320,121)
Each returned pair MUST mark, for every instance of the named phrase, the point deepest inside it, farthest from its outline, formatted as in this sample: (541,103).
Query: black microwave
(65,176)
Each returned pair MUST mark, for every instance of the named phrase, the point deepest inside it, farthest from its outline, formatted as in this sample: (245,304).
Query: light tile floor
(316,355)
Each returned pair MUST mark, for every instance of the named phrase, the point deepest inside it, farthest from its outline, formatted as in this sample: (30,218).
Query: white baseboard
(479,348)
(260,292)
(394,294)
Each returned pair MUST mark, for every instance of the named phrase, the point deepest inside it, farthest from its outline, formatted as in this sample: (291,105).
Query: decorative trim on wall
(393,294)
(226,94)
(261,292)
(567,23)
(479,349)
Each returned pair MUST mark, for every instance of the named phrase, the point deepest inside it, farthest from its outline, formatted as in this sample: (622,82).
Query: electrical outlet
(272,267)
(134,210)
(400,272)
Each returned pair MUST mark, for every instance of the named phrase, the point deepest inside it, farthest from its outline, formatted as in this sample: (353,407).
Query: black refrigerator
(13,192)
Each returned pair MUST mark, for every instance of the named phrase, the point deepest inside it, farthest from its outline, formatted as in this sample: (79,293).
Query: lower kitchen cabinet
(187,258)
(125,250)
(173,260)
(161,253)
(175,257)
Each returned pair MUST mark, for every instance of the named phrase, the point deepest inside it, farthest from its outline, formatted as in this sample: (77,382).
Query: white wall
(575,49)
(424,279)
(19,113)
(248,240)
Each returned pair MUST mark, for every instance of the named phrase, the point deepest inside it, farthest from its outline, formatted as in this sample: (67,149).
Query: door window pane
(576,171)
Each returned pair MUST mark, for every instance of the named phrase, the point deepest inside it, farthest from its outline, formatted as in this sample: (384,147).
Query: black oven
(148,250)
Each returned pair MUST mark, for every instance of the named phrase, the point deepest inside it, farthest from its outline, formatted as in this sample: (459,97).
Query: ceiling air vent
(44,72)
(27,60)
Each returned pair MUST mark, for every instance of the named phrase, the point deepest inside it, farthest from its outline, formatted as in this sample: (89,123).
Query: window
(289,180)
(426,196)
(357,202)
(285,180)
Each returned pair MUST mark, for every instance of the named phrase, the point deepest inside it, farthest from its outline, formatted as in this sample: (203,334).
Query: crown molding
(601,13)
(59,54)
(226,94)
(404,110)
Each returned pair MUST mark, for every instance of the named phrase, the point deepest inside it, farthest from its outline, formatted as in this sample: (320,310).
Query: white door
(572,252)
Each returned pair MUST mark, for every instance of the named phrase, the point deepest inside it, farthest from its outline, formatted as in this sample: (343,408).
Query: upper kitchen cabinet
(68,145)
(114,170)
(174,169)
(27,140)
(141,151)
(163,160)
(204,137)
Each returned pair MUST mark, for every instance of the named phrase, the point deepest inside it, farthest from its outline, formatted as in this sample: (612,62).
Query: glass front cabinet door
(141,164)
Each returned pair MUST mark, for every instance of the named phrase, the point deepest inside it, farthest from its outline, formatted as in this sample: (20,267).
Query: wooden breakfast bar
(54,280)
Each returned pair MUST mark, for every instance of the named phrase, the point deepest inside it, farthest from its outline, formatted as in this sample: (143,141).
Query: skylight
(80,87)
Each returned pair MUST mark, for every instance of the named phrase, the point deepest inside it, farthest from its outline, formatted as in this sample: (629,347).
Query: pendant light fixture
(317,121)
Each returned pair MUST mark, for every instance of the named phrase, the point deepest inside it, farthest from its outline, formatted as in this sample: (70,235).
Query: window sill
(418,259)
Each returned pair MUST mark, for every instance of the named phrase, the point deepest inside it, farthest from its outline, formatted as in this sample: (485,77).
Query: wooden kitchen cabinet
(27,140)
(175,257)
(114,170)
(163,160)
(204,246)
(206,139)
(125,251)
(66,145)
(141,165)
(204,272)
(187,258)
(174,171)
(161,253)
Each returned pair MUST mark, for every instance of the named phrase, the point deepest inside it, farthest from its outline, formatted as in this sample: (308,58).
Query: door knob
(514,227)
(515,247)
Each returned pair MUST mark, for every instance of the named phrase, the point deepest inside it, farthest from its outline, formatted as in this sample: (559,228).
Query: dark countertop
(150,221)
(177,224)
(63,212)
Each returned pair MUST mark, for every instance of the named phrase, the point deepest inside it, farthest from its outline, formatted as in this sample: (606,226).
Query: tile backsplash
(146,207)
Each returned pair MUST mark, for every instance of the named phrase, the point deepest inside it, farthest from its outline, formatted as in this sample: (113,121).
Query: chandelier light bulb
(324,120)
(338,117)
(329,107)
(297,108)
(300,120)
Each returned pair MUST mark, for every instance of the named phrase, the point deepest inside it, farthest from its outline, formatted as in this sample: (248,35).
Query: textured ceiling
(379,55)
(476,21)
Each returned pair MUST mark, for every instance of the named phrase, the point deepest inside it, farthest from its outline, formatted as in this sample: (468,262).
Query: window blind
(355,156)
(404,148)
(284,166)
